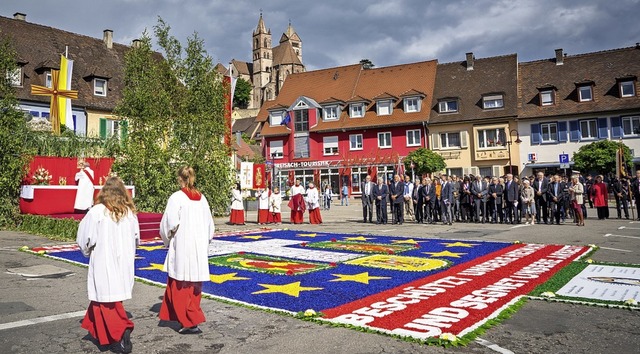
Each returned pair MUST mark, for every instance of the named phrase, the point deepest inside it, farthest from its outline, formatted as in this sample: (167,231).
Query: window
(357,110)
(276,150)
(302,120)
(15,77)
(109,128)
(546,98)
(549,132)
(448,106)
(358,176)
(413,137)
(301,146)
(492,102)
(100,87)
(631,125)
(627,89)
(384,140)
(585,93)
(355,142)
(411,104)
(330,144)
(48,80)
(456,171)
(588,129)
(384,107)
(449,140)
(275,118)
(330,112)
(491,138)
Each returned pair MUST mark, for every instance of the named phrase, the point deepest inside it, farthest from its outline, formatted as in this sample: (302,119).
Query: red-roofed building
(334,126)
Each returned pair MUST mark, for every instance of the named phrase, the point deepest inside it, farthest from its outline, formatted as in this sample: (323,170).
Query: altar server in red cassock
(108,235)
(186,228)
(85,181)
(263,206)
(275,204)
(297,204)
(313,204)
(237,206)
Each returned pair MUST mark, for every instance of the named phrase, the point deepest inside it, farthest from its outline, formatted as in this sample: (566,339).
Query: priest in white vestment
(186,228)
(85,181)
(313,204)
(108,235)
(297,204)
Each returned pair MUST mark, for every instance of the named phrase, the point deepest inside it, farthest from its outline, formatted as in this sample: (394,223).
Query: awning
(544,164)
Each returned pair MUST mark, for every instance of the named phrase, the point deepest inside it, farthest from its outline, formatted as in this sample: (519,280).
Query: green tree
(600,157)
(242,94)
(366,64)
(425,161)
(14,151)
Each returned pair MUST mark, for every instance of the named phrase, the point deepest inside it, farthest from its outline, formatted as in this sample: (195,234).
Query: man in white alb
(85,181)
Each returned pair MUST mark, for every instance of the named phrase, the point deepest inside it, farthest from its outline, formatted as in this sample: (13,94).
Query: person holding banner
(275,203)
(635,191)
(313,203)
(84,196)
(263,206)
(297,204)
(237,207)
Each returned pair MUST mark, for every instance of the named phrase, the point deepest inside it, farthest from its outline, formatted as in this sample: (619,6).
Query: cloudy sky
(341,32)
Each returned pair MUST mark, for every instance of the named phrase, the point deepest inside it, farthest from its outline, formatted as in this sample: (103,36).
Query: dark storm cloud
(342,32)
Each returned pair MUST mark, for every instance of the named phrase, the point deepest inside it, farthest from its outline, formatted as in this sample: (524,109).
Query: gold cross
(54,92)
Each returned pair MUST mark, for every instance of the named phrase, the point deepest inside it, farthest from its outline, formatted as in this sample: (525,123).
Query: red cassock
(106,321)
(314,216)
(263,216)
(182,303)
(298,207)
(237,217)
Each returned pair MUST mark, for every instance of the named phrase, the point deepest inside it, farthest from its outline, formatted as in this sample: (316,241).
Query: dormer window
(356,110)
(627,88)
(15,77)
(492,102)
(448,106)
(275,118)
(384,107)
(330,112)
(48,79)
(411,104)
(547,97)
(100,87)
(585,90)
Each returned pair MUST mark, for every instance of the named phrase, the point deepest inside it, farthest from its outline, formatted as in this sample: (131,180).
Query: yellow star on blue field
(291,289)
(153,266)
(459,244)
(445,254)
(307,235)
(254,237)
(359,238)
(151,248)
(358,278)
(409,241)
(221,278)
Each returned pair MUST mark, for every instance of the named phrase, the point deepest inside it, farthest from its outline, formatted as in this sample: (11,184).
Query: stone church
(270,65)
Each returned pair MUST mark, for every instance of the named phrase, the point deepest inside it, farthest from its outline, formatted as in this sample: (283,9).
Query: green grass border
(52,228)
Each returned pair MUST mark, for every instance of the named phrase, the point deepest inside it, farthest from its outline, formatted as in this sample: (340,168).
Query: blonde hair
(116,199)
(187,175)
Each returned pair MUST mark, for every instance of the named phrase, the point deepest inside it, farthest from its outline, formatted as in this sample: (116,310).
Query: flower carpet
(410,287)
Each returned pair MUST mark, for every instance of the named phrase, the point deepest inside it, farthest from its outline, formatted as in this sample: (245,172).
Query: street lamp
(509,142)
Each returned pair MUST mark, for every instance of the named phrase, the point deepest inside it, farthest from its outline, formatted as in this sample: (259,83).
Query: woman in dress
(108,235)
(465,199)
(186,228)
(577,192)
(237,206)
(600,196)
(527,196)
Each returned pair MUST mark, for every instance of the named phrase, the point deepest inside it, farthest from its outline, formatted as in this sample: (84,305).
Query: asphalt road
(539,327)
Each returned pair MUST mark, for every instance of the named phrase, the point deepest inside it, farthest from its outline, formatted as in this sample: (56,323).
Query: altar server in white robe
(186,228)
(297,203)
(263,205)
(237,206)
(313,204)
(85,181)
(108,235)
(275,205)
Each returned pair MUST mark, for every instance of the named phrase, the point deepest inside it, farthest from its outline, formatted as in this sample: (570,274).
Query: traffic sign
(565,165)
(533,156)
(564,158)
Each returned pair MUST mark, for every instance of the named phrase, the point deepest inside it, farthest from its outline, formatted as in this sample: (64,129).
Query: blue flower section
(317,290)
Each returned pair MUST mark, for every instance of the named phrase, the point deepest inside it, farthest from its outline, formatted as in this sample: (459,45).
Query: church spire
(261,28)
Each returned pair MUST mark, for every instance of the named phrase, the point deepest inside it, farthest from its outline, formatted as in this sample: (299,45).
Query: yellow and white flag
(64,83)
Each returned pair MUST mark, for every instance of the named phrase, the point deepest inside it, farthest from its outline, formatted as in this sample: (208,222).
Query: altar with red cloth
(51,199)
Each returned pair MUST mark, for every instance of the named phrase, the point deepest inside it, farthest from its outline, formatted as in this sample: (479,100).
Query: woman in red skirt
(237,207)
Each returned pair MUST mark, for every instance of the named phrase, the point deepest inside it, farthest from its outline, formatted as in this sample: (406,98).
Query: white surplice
(275,202)
(236,200)
(313,198)
(111,247)
(263,199)
(187,227)
(297,190)
(84,195)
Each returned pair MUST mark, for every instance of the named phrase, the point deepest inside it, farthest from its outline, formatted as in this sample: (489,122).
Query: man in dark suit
(380,193)
(446,198)
(479,190)
(418,200)
(556,196)
(495,200)
(511,194)
(635,191)
(540,187)
(429,197)
(620,188)
(367,199)
(396,191)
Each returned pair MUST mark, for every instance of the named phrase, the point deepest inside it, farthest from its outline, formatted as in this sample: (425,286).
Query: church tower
(262,61)
(292,37)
